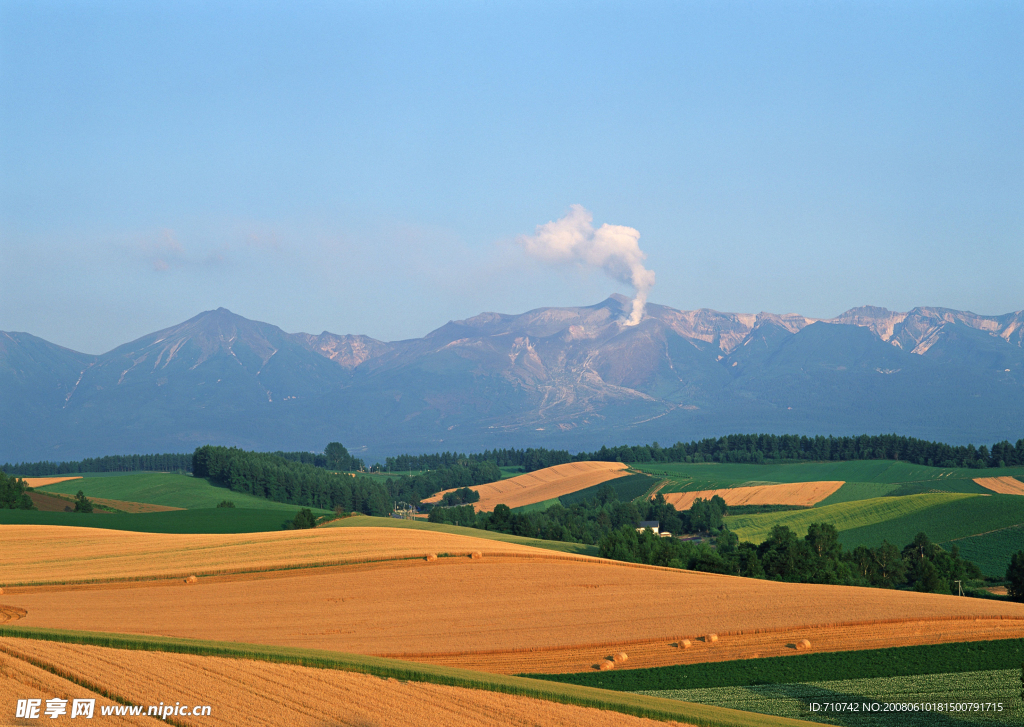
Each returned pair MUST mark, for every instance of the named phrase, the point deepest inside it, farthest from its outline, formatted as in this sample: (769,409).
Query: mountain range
(572,378)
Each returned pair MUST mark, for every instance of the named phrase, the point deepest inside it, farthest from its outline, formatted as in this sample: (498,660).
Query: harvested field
(56,554)
(20,679)
(545,484)
(260,693)
(43,481)
(1002,485)
(585,609)
(791,493)
(668,652)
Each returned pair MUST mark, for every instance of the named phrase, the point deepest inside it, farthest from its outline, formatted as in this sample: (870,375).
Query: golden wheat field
(42,481)
(20,679)
(790,493)
(1002,485)
(504,604)
(731,646)
(59,554)
(260,693)
(545,484)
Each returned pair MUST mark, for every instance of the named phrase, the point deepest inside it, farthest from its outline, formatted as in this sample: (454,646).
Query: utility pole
(960,591)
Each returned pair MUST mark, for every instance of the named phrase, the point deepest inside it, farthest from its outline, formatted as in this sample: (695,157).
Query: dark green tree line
(14,493)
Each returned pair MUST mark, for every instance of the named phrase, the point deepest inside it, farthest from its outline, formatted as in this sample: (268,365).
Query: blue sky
(367,167)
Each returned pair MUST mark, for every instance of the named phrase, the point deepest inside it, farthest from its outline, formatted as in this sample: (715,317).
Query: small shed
(651,525)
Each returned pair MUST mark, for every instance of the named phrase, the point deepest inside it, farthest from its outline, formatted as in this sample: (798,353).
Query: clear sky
(367,167)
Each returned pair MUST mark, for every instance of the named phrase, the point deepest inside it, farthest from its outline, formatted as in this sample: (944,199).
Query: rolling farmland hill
(845,516)
(879,500)
(365,592)
(162,488)
(543,485)
(375,592)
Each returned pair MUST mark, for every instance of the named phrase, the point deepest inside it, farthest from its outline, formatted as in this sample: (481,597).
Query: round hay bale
(431,557)
(1,591)
(606,665)
(684,644)
(191,579)
(803,645)
(476,555)
(620,657)
(711,638)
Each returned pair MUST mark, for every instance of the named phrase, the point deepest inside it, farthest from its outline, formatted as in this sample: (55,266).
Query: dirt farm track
(515,609)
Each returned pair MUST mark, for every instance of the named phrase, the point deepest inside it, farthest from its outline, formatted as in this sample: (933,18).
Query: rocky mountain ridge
(574,377)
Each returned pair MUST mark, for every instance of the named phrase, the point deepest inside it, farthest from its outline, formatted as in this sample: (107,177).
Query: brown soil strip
(1002,485)
(496,604)
(261,693)
(50,503)
(545,484)
(43,481)
(790,493)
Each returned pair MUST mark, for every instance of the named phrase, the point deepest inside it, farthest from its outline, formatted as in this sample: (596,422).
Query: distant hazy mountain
(556,377)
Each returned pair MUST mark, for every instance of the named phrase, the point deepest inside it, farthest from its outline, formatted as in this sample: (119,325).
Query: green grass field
(846,516)
(912,478)
(163,489)
(212,520)
(869,664)
(949,521)
(999,687)
(365,521)
(991,551)
(638,705)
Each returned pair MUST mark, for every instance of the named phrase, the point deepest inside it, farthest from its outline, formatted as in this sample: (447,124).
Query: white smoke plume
(614,248)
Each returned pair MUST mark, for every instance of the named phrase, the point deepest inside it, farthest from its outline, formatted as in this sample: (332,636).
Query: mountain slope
(557,377)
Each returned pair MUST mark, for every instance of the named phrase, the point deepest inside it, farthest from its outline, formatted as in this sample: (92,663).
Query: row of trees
(334,457)
(748,448)
(275,478)
(742,448)
(287,480)
(588,521)
(112,463)
(760,448)
(818,557)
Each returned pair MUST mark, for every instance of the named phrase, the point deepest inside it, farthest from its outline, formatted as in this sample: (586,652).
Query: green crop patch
(164,488)
(991,551)
(932,700)
(872,664)
(213,520)
(626,488)
(972,515)
(904,476)
(844,516)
